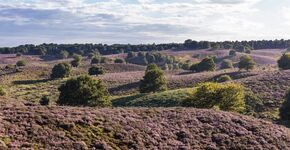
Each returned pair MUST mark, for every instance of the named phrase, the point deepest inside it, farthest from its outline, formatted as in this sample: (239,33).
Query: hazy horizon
(141,21)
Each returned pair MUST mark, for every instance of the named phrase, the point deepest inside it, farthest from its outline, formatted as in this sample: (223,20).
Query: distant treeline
(86,49)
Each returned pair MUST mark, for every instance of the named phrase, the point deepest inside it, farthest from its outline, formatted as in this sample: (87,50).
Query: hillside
(27,126)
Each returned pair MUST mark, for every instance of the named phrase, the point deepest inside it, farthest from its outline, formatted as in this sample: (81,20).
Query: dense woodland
(86,49)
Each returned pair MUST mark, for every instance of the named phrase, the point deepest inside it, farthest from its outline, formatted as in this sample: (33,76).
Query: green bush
(223,78)
(285,108)
(61,70)
(186,66)
(63,54)
(91,55)
(226,64)
(96,70)
(83,91)
(153,81)
(2,91)
(284,61)
(44,101)
(227,97)
(253,104)
(95,60)
(207,64)
(247,63)
(120,61)
(104,60)
(21,63)
(232,53)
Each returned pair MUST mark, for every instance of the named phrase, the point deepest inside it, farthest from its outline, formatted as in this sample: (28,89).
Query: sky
(141,21)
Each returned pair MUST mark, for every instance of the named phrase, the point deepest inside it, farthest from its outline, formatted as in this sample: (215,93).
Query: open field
(24,127)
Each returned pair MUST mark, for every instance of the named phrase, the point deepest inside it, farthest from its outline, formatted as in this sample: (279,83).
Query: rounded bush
(223,78)
(96,70)
(61,70)
(226,64)
(285,108)
(44,101)
(232,53)
(95,60)
(2,91)
(84,91)
(153,81)
(227,97)
(21,63)
(247,63)
(284,61)
(120,61)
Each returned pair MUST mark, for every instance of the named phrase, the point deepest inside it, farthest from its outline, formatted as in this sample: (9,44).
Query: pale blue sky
(141,21)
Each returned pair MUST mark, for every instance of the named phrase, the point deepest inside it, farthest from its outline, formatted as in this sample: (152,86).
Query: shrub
(153,81)
(84,91)
(247,63)
(77,60)
(232,53)
(226,64)
(207,64)
(223,78)
(91,55)
(20,63)
(2,91)
(75,63)
(63,54)
(284,61)
(120,61)
(95,60)
(96,70)
(44,101)
(227,97)
(104,60)
(284,110)
(18,54)
(186,66)
(253,104)
(61,70)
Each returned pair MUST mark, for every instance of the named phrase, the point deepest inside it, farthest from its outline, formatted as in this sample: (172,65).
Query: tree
(120,61)
(247,63)
(44,101)
(96,70)
(226,64)
(21,63)
(207,64)
(284,61)
(84,91)
(227,97)
(153,81)
(61,70)
(95,60)
(285,108)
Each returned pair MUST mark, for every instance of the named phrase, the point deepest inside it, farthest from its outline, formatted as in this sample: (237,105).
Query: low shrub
(21,63)
(2,91)
(84,91)
(227,97)
(61,70)
(284,61)
(96,70)
(226,64)
(120,61)
(44,101)
(223,78)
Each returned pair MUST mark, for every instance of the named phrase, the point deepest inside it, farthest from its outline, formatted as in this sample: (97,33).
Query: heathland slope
(26,126)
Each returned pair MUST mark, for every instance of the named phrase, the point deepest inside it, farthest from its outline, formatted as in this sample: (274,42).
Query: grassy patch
(170,98)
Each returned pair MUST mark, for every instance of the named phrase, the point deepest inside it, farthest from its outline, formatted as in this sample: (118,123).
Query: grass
(172,98)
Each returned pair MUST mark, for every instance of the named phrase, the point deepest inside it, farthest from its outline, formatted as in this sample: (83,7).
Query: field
(136,121)
(28,126)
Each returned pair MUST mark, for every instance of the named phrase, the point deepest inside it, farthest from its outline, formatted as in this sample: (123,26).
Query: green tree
(84,91)
(207,64)
(224,78)
(21,63)
(77,60)
(226,64)
(120,61)
(227,97)
(61,70)
(96,70)
(63,54)
(153,81)
(247,63)
(232,53)
(284,61)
